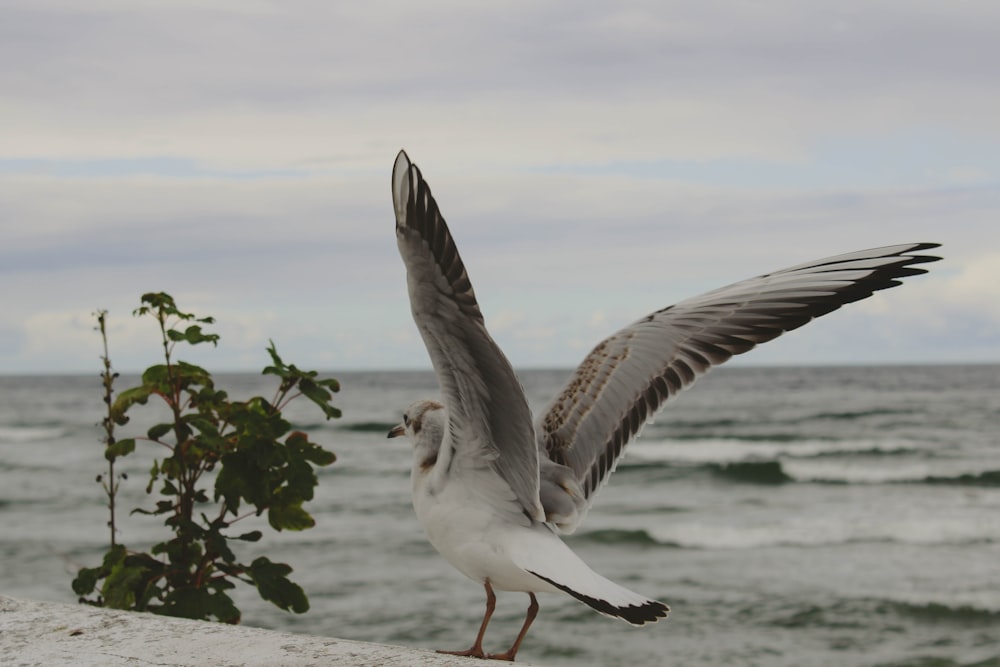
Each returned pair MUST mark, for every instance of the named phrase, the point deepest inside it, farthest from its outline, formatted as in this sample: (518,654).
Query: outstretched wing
(488,416)
(632,373)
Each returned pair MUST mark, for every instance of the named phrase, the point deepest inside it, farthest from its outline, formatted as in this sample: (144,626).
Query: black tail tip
(651,612)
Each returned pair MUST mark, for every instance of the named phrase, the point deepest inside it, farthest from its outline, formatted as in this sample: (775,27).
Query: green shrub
(246,451)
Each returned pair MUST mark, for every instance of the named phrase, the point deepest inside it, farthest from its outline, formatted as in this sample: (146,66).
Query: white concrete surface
(57,635)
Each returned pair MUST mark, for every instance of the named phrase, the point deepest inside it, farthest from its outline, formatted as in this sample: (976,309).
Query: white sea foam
(15,434)
(814,531)
(832,461)
(731,450)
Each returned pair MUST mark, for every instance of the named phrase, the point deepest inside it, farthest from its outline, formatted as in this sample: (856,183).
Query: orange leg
(512,651)
(477,649)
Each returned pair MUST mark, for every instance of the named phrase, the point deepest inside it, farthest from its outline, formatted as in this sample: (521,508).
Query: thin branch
(108,378)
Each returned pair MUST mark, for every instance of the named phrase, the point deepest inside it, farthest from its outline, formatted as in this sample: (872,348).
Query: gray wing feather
(488,416)
(628,377)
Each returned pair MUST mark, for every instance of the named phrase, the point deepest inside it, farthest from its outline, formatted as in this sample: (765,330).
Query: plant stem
(187,476)
(108,378)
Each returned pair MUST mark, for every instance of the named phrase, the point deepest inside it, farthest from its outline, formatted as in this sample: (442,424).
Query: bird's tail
(547,557)
(616,601)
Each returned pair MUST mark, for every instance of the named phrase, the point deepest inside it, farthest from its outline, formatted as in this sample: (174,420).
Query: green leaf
(291,517)
(221,606)
(193,335)
(186,602)
(114,556)
(156,376)
(203,424)
(300,480)
(199,603)
(192,374)
(320,396)
(279,367)
(252,536)
(159,301)
(154,474)
(222,583)
(318,391)
(216,542)
(160,430)
(119,448)
(125,578)
(240,479)
(299,443)
(85,580)
(273,585)
(126,400)
(171,467)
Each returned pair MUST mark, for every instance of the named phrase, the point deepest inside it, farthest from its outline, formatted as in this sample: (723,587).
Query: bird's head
(423,423)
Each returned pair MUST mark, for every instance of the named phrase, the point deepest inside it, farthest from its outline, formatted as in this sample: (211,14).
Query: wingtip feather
(401,185)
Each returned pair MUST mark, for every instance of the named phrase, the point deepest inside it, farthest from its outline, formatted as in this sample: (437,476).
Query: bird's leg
(477,649)
(512,651)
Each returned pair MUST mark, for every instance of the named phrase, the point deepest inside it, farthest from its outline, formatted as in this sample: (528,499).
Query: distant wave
(725,423)
(310,427)
(851,613)
(851,415)
(732,450)
(815,465)
(946,613)
(865,452)
(793,535)
(698,423)
(14,434)
(368,427)
(986,478)
(751,472)
(772,437)
(638,537)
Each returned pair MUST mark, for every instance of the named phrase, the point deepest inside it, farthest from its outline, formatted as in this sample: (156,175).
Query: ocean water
(790,517)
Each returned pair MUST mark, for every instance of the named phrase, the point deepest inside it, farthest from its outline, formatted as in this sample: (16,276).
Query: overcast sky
(595,161)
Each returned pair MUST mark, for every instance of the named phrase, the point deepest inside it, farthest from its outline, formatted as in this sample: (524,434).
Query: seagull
(492,488)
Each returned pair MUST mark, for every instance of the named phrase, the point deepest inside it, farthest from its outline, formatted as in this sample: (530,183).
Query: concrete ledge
(51,634)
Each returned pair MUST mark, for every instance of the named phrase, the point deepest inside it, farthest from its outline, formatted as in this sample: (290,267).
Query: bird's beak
(397,431)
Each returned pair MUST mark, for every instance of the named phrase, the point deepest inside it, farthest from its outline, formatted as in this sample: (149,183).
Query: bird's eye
(406,419)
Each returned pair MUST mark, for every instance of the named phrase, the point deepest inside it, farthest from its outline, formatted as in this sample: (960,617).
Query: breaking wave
(817,462)
(751,472)
(16,434)
(368,427)
(794,534)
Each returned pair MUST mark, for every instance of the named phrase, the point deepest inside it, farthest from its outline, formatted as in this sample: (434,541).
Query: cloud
(329,84)
(592,158)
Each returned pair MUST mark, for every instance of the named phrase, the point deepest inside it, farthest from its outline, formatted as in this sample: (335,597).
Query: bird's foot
(506,655)
(474,652)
